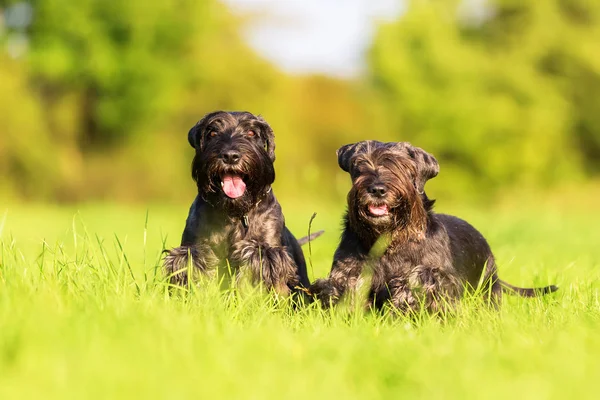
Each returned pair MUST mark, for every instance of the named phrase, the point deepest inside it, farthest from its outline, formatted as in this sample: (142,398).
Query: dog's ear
(270,143)
(269,138)
(427,165)
(193,136)
(345,154)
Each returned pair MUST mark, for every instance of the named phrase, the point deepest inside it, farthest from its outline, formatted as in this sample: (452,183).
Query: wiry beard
(254,167)
(406,216)
(363,221)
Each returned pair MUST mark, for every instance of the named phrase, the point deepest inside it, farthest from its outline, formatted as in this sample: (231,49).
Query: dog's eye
(250,133)
(213,133)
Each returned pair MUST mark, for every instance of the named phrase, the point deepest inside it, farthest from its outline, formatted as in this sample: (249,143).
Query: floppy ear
(193,136)
(427,165)
(344,154)
(347,152)
(269,139)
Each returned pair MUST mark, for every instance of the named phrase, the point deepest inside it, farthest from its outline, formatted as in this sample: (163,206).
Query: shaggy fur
(224,232)
(419,259)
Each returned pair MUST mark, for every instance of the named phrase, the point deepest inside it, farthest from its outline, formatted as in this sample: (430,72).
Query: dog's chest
(398,264)
(220,241)
(400,259)
(220,244)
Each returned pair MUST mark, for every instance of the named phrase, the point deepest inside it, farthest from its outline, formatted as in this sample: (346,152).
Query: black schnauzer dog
(418,259)
(236,220)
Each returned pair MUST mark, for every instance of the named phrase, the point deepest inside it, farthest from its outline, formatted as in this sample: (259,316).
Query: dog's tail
(527,292)
(303,240)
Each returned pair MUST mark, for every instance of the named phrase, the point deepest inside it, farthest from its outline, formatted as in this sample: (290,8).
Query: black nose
(377,190)
(230,156)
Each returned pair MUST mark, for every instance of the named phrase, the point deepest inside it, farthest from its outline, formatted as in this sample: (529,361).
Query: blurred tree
(24,152)
(131,62)
(97,97)
(502,91)
(104,75)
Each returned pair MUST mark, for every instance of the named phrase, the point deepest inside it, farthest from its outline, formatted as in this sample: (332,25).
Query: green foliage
(499,97)
(21,155)
(130,62)
(105,81)
(98,99)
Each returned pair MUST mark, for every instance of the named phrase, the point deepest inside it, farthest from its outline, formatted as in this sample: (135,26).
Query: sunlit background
(97,97)
(96,100)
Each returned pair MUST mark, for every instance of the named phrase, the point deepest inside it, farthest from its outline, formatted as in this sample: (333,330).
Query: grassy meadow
(84,314)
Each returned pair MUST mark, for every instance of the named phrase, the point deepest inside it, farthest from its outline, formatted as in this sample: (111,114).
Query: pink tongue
(233,186)
(378,210)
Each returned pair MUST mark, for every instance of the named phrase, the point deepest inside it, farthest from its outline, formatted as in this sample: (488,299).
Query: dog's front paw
(179,261)
(427,279)
(402,296)
(325,291)
(272,266)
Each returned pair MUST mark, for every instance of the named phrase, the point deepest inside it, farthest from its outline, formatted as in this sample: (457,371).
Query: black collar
(245,221)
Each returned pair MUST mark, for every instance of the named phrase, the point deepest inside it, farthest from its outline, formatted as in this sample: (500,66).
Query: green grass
(83,316)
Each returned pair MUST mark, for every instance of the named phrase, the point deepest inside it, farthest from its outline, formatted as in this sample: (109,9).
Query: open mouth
(233,185)
(378,210)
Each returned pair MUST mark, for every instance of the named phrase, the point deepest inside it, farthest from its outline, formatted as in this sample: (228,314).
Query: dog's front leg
(343,276)
(181,261)
(271,265)
(436,288)
(348,262)
(401,295)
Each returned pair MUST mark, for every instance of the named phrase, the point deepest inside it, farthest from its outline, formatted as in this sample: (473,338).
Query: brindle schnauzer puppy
(236,220)
(428,260)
